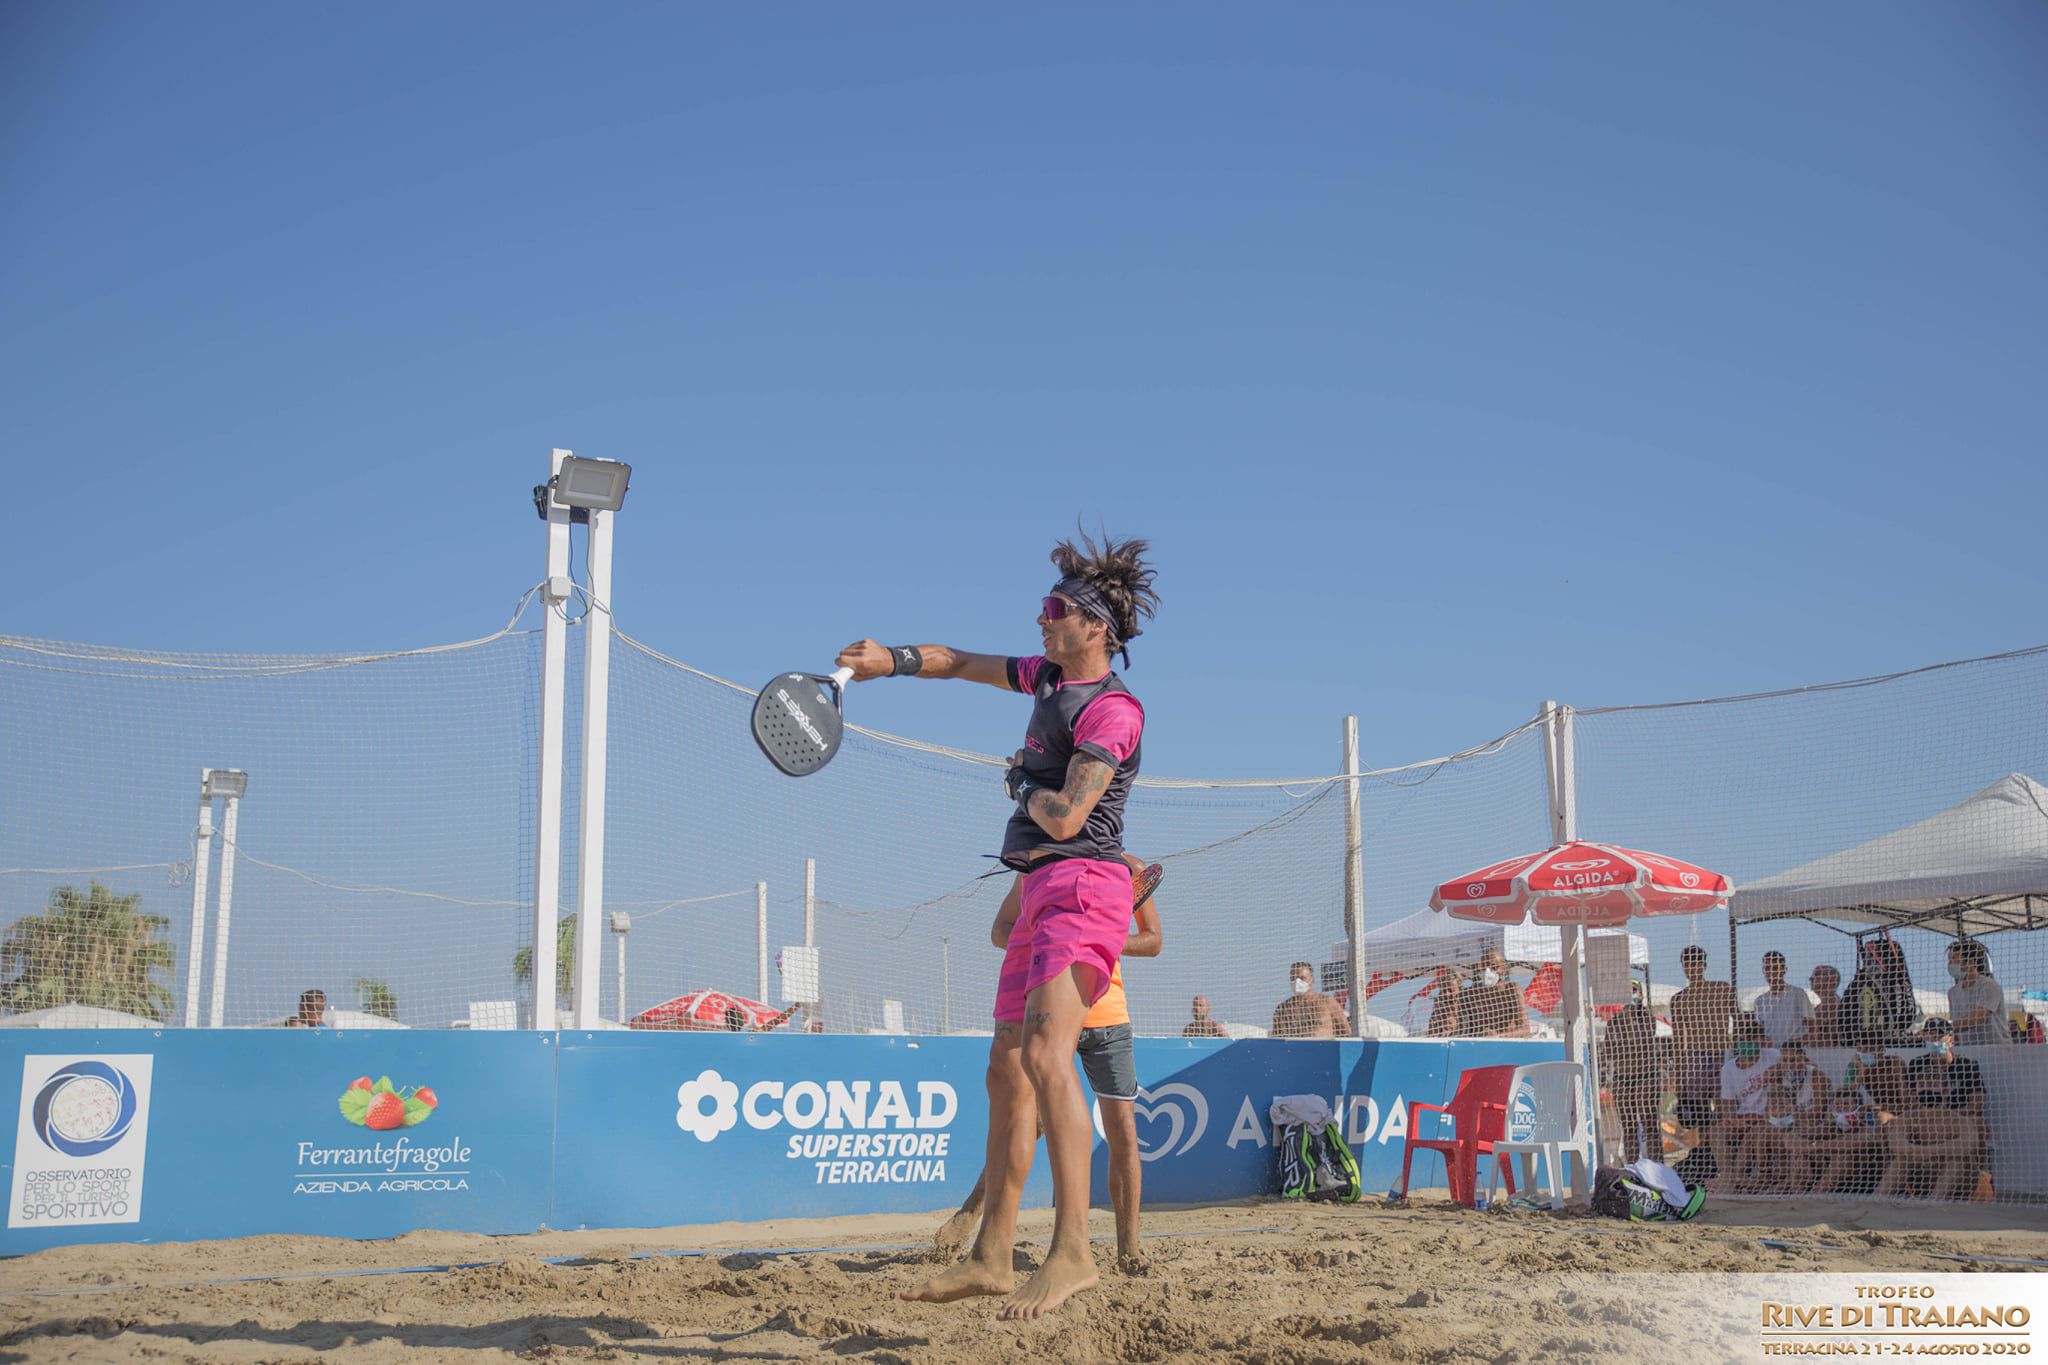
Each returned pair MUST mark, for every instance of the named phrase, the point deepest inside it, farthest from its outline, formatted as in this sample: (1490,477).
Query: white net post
(554,666)
(761,942)
(1354,882)
(597,673)
(202,859)
(229,827)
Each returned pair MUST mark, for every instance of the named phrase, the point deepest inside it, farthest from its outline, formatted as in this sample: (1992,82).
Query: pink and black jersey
(1099,718)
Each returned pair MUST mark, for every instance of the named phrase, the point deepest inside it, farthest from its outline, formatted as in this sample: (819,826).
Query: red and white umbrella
(1594,885)
(710,1010)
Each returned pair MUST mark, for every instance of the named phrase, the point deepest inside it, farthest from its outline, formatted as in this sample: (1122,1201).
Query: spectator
(1937,1144)
(1877,1009)
(312,1010)
(1491,1007)
(1200,1025)
(1700,1013)
(1826,1028)
(1443,1005)
(1308,1013)
(1783,1011)
(1630,1049)
(1776,1158)
(1744,1099)
(2035,1033)
(1976,1002)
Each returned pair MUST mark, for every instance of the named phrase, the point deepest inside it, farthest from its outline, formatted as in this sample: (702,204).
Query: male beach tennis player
(1108,1059)
(1070,781)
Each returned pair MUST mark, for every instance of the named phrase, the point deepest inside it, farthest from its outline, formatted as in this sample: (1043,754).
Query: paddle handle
(841,677)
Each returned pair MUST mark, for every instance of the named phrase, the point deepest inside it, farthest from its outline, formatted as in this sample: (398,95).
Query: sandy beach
(1261,1281)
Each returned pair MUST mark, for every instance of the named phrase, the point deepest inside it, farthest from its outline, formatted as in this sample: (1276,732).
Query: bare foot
(1059,1279)
(952,1237)
(963,1281)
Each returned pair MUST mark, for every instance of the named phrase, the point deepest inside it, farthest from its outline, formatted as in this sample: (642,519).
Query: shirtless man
(1070,781)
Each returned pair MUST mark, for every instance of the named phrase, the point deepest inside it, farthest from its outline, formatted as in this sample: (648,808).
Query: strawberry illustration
(360,1083)
(386,1111)
(425,1095)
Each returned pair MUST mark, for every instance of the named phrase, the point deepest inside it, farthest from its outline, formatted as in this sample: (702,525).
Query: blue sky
(1452,358)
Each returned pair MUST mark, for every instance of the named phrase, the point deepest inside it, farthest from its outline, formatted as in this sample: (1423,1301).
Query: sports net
(384,848)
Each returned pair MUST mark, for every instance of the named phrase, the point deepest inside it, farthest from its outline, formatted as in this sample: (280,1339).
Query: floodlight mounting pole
(597,673)
(554,658)
(202,859)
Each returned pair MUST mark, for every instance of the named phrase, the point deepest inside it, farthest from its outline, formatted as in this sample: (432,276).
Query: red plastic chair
(1479,1112)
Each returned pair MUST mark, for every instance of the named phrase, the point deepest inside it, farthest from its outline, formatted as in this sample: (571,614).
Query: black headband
(1091,599)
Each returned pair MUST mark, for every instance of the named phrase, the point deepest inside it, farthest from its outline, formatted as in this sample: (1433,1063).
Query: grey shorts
(1107,1059)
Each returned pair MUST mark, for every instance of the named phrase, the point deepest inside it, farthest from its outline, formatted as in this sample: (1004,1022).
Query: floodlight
(228,782)
(593,485)
(621,922)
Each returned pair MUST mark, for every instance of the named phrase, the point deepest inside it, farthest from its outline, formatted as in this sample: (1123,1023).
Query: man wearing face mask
(1492,1007)
(1307,1012)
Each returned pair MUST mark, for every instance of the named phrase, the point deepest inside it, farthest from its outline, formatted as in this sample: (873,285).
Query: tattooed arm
(1061,814)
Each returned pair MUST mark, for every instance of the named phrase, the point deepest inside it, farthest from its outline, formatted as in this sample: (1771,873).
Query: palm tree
(91,949)
(565,961)
(378,998)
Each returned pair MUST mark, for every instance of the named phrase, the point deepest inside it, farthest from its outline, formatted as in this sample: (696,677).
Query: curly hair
(1118,570)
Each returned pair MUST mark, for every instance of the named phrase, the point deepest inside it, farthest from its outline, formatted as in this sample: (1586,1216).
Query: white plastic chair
(1562,1127)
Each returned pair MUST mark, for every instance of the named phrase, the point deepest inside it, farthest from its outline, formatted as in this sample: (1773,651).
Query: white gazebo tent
(78,1016)
(1426,940)
(1979,867)
(1973,869)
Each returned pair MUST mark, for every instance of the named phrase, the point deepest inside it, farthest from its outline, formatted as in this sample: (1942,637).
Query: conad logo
(833,1105)
(1181,1107)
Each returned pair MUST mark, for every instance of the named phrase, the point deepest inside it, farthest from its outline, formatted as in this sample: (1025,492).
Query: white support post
(761,940)
(217,1011)
(945,983)
(1354,880)
(810,902)
(1564,827)
(624,1014)
(202,858)
(597,675)
(554,662)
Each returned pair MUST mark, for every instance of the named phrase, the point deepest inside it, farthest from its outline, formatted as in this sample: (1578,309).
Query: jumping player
(1106,1056)
(1070,781)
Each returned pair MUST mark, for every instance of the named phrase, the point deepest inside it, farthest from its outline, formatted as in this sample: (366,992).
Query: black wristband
(909,660)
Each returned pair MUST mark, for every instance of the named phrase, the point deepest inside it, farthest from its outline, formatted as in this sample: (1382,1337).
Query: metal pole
(810,902)
(761,940)
(217,1012)
(554,661)
(597,675)
(1354,880)
(1564,828)
(945,983)
(202,857)
(621,936)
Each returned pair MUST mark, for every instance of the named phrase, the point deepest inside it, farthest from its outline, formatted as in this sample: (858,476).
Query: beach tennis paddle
(798,721)
(1144,884)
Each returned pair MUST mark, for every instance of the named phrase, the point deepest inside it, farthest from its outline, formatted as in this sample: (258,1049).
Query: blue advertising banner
(140,1135)
(664,1128)
(145,1136)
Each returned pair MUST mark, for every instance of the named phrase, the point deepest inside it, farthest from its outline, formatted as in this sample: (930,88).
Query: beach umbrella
(710,1010)
(1588,884)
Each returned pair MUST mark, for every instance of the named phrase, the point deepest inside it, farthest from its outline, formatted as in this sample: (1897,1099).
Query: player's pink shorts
(1074,910)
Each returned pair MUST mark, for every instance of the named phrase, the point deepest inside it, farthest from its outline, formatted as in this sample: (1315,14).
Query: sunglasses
(1058,608)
